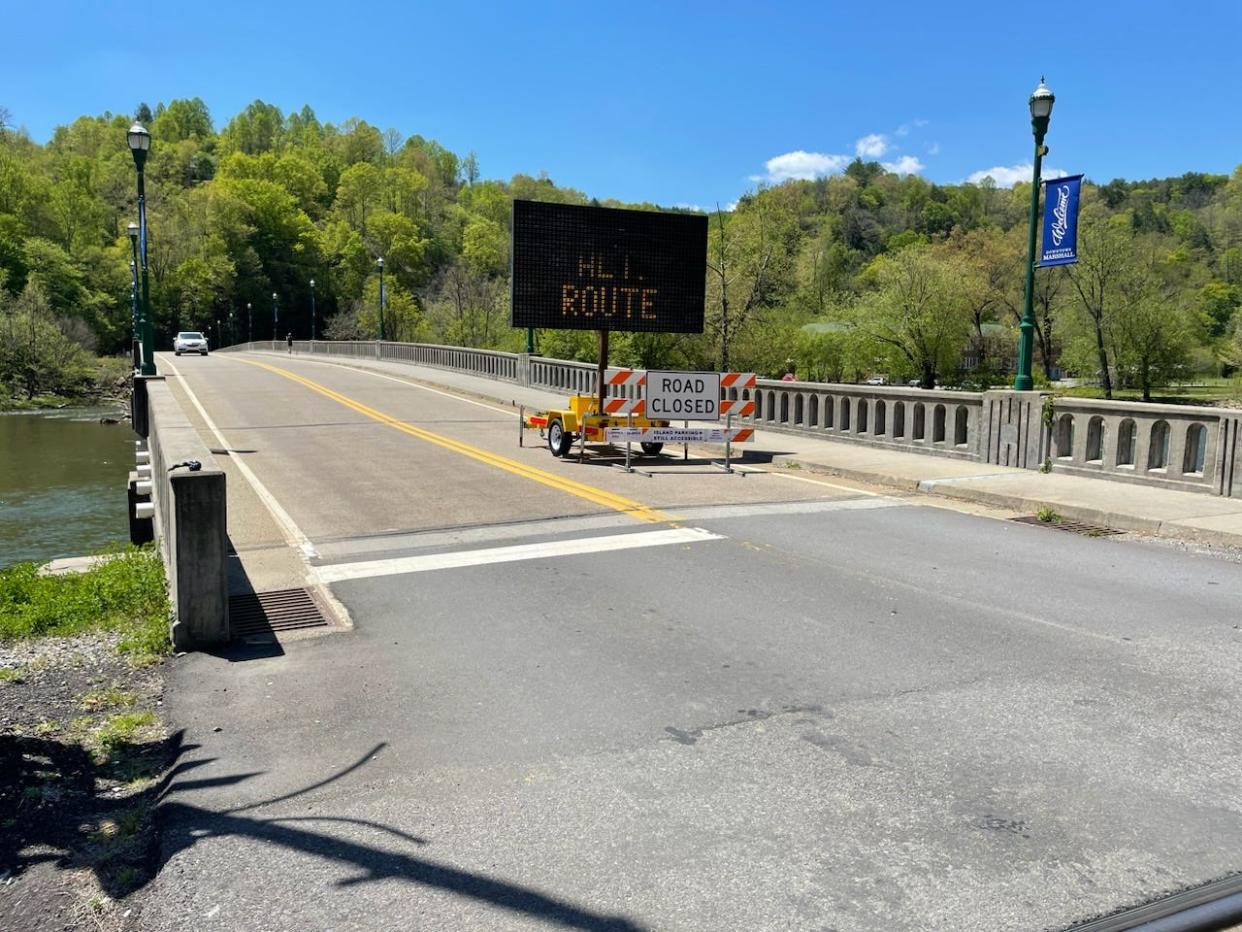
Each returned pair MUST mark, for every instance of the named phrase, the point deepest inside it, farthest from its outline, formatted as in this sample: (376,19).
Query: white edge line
(489,555)
(769,509)
(829,485)
(292,533)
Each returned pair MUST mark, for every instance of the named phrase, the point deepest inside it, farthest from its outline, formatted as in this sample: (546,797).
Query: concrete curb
(1020,503)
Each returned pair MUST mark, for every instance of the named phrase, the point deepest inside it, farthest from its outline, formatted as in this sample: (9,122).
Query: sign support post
(603,366)
(629,422)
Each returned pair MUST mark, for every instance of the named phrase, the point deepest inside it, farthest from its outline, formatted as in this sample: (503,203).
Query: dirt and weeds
(82,742)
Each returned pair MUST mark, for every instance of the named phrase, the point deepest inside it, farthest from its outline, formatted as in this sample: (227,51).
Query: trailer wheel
(560,441)
(651,449)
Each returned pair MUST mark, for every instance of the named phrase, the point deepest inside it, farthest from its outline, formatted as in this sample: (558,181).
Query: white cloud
(933,149)
(1006,176)
(801,165)
(872,146)
(906,165)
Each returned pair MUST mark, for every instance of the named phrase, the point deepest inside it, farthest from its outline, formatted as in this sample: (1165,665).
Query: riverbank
(82,741)
(106,384)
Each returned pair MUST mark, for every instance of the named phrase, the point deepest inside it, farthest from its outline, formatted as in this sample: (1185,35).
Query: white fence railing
(1183,447)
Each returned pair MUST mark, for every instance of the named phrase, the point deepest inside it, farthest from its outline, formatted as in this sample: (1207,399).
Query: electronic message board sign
(597,268)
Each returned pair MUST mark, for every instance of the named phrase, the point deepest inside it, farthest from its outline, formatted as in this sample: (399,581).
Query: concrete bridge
(555,694)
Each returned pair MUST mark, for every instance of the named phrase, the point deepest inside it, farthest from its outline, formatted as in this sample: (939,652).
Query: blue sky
(672,102)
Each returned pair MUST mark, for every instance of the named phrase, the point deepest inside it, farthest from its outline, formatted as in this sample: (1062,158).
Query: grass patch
(111,697)
(119,729)
(12,675)
(121,825)
(126,594)
(1048,516)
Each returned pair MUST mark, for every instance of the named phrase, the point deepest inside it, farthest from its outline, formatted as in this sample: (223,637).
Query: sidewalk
(1203,518)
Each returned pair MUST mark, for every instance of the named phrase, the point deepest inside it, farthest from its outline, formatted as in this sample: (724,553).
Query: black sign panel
(595,268)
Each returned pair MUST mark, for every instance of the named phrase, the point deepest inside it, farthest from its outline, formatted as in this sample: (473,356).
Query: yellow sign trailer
(582,420)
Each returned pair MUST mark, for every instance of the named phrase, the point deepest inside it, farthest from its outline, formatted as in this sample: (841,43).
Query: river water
(62,483)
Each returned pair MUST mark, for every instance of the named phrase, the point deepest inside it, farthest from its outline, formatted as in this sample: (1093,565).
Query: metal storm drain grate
(1074,527)
(269,612)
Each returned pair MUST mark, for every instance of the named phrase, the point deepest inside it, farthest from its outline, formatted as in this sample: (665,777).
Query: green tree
(258,128)
(915,311)
(181,120)
(36,356)
(1105,262)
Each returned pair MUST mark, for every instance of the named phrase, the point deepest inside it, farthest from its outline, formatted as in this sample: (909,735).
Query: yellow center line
(589,492)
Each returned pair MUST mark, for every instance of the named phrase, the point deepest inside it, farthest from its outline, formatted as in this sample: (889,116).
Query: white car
(190,341)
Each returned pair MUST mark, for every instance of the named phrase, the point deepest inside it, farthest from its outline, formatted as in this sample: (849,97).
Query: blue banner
(1060,245)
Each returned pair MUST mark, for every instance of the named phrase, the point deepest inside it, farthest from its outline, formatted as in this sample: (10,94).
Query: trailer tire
(560,441)
(651,449)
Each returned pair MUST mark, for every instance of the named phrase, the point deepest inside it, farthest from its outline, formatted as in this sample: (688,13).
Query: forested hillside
(865,272)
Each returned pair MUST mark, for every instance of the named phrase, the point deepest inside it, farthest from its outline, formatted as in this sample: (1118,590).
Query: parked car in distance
(190,341)
(877,380)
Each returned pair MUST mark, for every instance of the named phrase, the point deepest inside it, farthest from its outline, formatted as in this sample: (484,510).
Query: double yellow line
(589,492)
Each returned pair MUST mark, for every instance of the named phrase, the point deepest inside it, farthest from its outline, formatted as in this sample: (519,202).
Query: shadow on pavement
(183,825)
(58,801)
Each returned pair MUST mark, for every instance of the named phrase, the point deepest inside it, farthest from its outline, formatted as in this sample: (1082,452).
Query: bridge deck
(805,705)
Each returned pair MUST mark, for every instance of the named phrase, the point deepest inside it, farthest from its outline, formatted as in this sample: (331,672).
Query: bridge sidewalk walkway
(1206,519)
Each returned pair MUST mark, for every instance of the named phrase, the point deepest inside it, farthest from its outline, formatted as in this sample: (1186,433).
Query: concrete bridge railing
(191,516)
(944,423)
(1181,447)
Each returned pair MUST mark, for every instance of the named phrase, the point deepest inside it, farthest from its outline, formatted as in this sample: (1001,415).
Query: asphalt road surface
(576,698)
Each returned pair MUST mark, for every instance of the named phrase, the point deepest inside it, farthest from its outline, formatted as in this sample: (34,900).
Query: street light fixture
(312,284)
(275,319)
(249,322)
(139,144)
(382,300)
(135,336)
(1041,110)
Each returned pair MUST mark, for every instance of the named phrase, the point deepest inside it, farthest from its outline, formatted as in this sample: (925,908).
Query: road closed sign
(683,396)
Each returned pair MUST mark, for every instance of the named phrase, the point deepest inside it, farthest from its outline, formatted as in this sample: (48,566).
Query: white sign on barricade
(683,396)
(680,434)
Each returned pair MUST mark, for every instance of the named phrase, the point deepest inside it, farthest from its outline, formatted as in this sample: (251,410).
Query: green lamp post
(249,322)
(1041,109)
(275,318)
(135,340)
(379,264)
(312,284)
(139,144)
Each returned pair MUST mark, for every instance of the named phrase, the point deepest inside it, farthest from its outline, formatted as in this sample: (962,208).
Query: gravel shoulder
(82,750)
